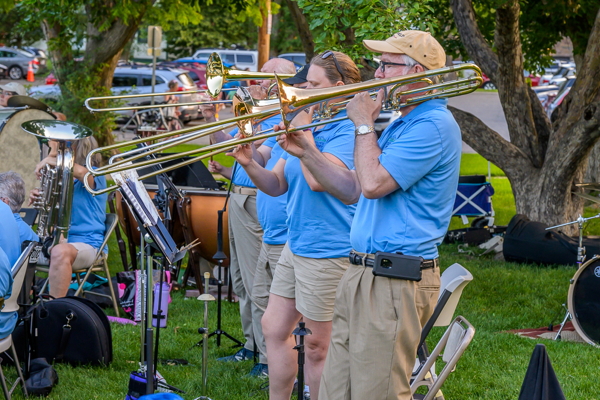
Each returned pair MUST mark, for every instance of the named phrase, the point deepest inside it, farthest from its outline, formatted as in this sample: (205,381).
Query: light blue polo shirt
(9,234)
(25,231)
(318,223)
(240,177)
(88,214)
(272,213)
(422,153)
(8,320)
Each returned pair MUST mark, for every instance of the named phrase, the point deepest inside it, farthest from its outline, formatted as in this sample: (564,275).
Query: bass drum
(584,301)
(202,216)
(20,150)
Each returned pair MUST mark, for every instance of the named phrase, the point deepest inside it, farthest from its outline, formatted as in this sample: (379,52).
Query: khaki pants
(245,238)
(265,268)
(376,329)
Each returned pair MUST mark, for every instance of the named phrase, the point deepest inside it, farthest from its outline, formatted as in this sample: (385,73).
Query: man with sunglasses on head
(405,182)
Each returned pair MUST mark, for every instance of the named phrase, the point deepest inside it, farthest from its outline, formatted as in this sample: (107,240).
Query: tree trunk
(304,31)
(542,161)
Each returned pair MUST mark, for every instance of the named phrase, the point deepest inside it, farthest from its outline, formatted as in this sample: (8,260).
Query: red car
(489,85)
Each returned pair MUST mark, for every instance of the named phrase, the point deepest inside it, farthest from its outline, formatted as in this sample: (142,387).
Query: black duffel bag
(72,330)
(527,241)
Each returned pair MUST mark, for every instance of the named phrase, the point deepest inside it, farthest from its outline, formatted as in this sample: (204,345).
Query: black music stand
(154,233)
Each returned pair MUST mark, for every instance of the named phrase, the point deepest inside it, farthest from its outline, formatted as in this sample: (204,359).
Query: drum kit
(583,300)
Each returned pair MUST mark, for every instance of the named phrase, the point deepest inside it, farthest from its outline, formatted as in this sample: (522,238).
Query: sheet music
(138,196)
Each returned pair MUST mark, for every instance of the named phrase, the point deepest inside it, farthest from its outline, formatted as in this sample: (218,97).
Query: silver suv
(18,61)
(138,80)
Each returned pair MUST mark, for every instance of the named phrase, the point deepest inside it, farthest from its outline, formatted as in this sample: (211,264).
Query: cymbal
(588,197)
(589,185)
(26,101)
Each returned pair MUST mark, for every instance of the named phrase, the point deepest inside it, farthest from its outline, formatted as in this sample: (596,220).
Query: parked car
(17,61)
(553,102)
(138,80)
(39,53)
(487,84)
(534,80)
(297,58)
(562,74)
(550,72)
(240,58)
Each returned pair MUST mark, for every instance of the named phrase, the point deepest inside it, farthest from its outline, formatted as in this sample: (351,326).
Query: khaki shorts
(311,281)
(86,255)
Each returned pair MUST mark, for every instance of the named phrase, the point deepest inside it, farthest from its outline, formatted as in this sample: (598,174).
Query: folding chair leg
(4,387)
(112,289)
(19,370)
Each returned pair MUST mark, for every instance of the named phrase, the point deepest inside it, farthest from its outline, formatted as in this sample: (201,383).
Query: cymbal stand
(580,260)
(300,332)
(205,297)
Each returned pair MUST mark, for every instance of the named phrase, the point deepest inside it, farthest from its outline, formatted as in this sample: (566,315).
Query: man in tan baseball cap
(404,182)
(419,45)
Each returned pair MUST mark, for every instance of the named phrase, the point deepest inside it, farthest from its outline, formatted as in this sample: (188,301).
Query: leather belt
(248,191)
(1,303)
(367,260)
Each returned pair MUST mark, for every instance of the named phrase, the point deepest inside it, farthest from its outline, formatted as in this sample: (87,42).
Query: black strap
(64,339)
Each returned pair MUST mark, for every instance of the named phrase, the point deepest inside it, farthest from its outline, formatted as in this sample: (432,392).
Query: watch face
(363,129)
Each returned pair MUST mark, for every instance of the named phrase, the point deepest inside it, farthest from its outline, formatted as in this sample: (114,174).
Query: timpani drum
(202,216)
(584,301)
(20,150)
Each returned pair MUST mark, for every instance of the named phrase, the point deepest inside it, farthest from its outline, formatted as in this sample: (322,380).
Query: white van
(242,59)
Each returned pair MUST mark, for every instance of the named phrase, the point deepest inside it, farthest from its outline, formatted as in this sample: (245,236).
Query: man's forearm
(339,182)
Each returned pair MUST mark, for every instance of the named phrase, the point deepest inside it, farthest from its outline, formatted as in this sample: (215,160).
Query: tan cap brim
(381,46)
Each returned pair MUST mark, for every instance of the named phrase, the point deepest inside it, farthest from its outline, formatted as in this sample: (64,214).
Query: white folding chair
(19,270)
(455,341)
(100,265)
(452,282)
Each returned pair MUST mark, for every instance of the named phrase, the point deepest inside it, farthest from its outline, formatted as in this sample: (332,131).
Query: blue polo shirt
(88,214)
(318,223)
(25,231)
(422,153)
(8,320)
(272,213)
(240,177)
(9,234)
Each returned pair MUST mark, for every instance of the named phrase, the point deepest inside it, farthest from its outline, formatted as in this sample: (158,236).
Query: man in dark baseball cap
(300,76)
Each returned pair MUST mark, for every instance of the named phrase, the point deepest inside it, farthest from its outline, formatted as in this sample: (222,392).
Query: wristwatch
(364,129)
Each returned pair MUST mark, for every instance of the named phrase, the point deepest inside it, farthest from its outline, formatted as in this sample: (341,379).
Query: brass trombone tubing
(203,132)
(213,150)
(293,100)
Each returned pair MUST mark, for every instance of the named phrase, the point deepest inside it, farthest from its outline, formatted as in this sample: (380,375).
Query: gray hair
(411,62)
(12,187)
(83,147)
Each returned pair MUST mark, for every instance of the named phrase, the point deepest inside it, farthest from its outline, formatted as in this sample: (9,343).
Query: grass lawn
(502,296)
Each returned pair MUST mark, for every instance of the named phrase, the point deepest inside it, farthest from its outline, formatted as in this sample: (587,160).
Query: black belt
(368,261)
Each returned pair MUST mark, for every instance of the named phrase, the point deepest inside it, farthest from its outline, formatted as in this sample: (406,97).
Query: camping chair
(100,265)
(453,281)
(10,305)
(455,341)
(474,199)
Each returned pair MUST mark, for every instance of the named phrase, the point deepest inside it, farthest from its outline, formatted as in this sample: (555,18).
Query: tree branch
(472,39)
(303,29)
(488,142)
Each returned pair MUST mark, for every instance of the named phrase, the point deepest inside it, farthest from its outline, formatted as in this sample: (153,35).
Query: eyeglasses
(337,66)
(383,64)
(7,93)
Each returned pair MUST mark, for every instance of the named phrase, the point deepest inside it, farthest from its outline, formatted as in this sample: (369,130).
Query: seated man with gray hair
(12,193)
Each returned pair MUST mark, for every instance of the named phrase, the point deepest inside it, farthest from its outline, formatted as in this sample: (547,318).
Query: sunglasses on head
(337,66)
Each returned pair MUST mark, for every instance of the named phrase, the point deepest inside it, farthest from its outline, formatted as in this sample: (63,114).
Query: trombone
(216,75)
(293,100)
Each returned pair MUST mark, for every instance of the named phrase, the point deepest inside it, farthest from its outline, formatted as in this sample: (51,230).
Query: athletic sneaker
(242,355)
(260,370)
